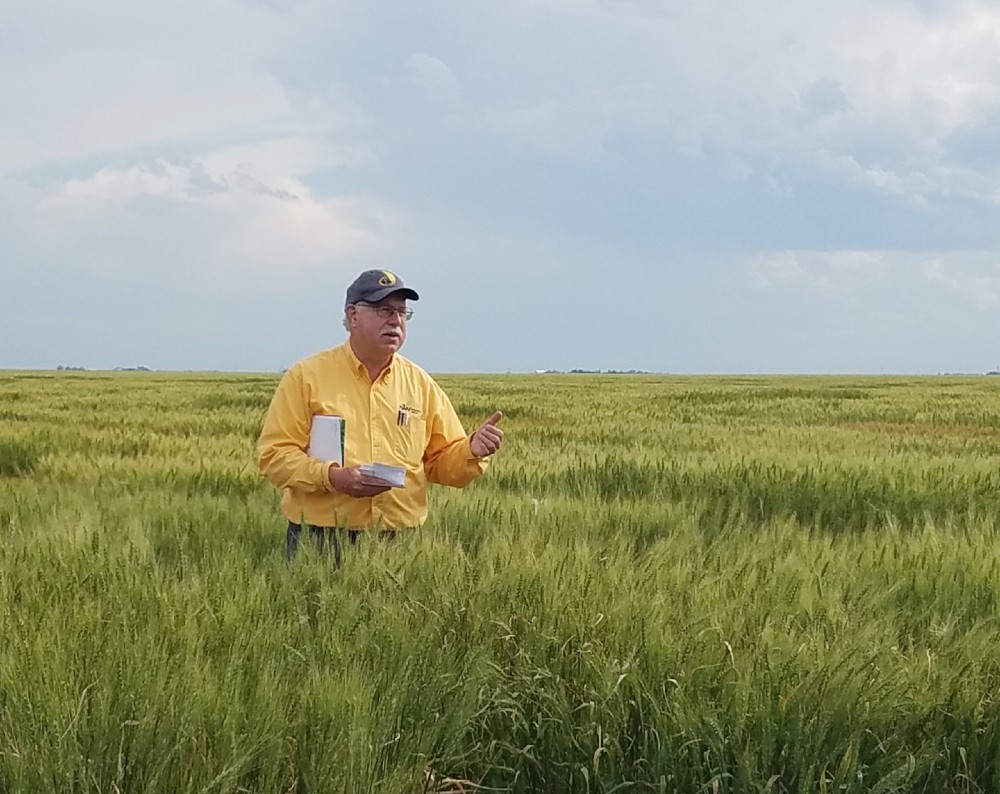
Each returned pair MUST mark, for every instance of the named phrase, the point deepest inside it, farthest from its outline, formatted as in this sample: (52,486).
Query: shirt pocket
(407,442)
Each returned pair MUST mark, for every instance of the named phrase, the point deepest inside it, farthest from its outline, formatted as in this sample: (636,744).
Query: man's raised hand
(488,437)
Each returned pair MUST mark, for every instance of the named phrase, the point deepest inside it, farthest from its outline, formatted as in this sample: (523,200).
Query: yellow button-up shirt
(404,418)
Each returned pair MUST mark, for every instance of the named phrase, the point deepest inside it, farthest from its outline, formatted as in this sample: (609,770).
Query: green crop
(662,584)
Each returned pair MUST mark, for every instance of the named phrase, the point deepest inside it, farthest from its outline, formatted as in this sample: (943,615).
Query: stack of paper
(394,475)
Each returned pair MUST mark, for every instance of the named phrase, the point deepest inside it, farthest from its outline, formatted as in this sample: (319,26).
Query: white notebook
(326,439)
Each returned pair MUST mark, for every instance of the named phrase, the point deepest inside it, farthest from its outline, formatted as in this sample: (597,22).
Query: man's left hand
(487,438)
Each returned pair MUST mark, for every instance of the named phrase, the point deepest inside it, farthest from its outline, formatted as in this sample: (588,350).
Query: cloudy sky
(687,186)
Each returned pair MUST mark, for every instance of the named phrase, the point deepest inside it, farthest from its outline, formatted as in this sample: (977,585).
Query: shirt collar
(360,368)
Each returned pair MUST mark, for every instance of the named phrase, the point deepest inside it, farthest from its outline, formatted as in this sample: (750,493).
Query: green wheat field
(663,584)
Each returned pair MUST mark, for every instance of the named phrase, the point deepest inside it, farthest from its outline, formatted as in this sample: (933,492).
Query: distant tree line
(61,368)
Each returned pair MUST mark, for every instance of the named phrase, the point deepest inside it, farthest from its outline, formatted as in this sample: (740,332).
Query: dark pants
(319,536)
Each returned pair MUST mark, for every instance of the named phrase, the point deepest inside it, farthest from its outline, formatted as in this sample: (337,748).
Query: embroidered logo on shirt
(388,279)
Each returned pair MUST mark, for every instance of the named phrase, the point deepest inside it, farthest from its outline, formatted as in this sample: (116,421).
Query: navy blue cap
(374,285)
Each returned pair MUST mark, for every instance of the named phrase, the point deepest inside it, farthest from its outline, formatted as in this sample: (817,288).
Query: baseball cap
(374,285)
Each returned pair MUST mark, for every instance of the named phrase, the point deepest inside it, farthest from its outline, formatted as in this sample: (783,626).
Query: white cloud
(971,276)
(143,131)
(90,81)
(227,220)
(979,288)
(773,92)
(898,84)
(824,270)
(146,104)
(434,77)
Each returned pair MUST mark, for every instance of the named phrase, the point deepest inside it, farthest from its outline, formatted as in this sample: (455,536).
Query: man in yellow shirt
(392,412)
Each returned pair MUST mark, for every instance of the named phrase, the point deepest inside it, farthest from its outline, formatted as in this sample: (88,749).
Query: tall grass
(635,598)
(17,458)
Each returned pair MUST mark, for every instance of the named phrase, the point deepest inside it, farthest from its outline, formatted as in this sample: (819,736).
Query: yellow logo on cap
(387,280)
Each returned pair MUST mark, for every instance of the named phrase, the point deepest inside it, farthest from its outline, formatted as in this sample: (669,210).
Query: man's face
(384,334)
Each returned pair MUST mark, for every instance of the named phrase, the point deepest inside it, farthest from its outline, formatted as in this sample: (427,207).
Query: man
(392,412)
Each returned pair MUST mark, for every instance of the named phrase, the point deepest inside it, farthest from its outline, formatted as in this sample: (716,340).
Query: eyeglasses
(385,312)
